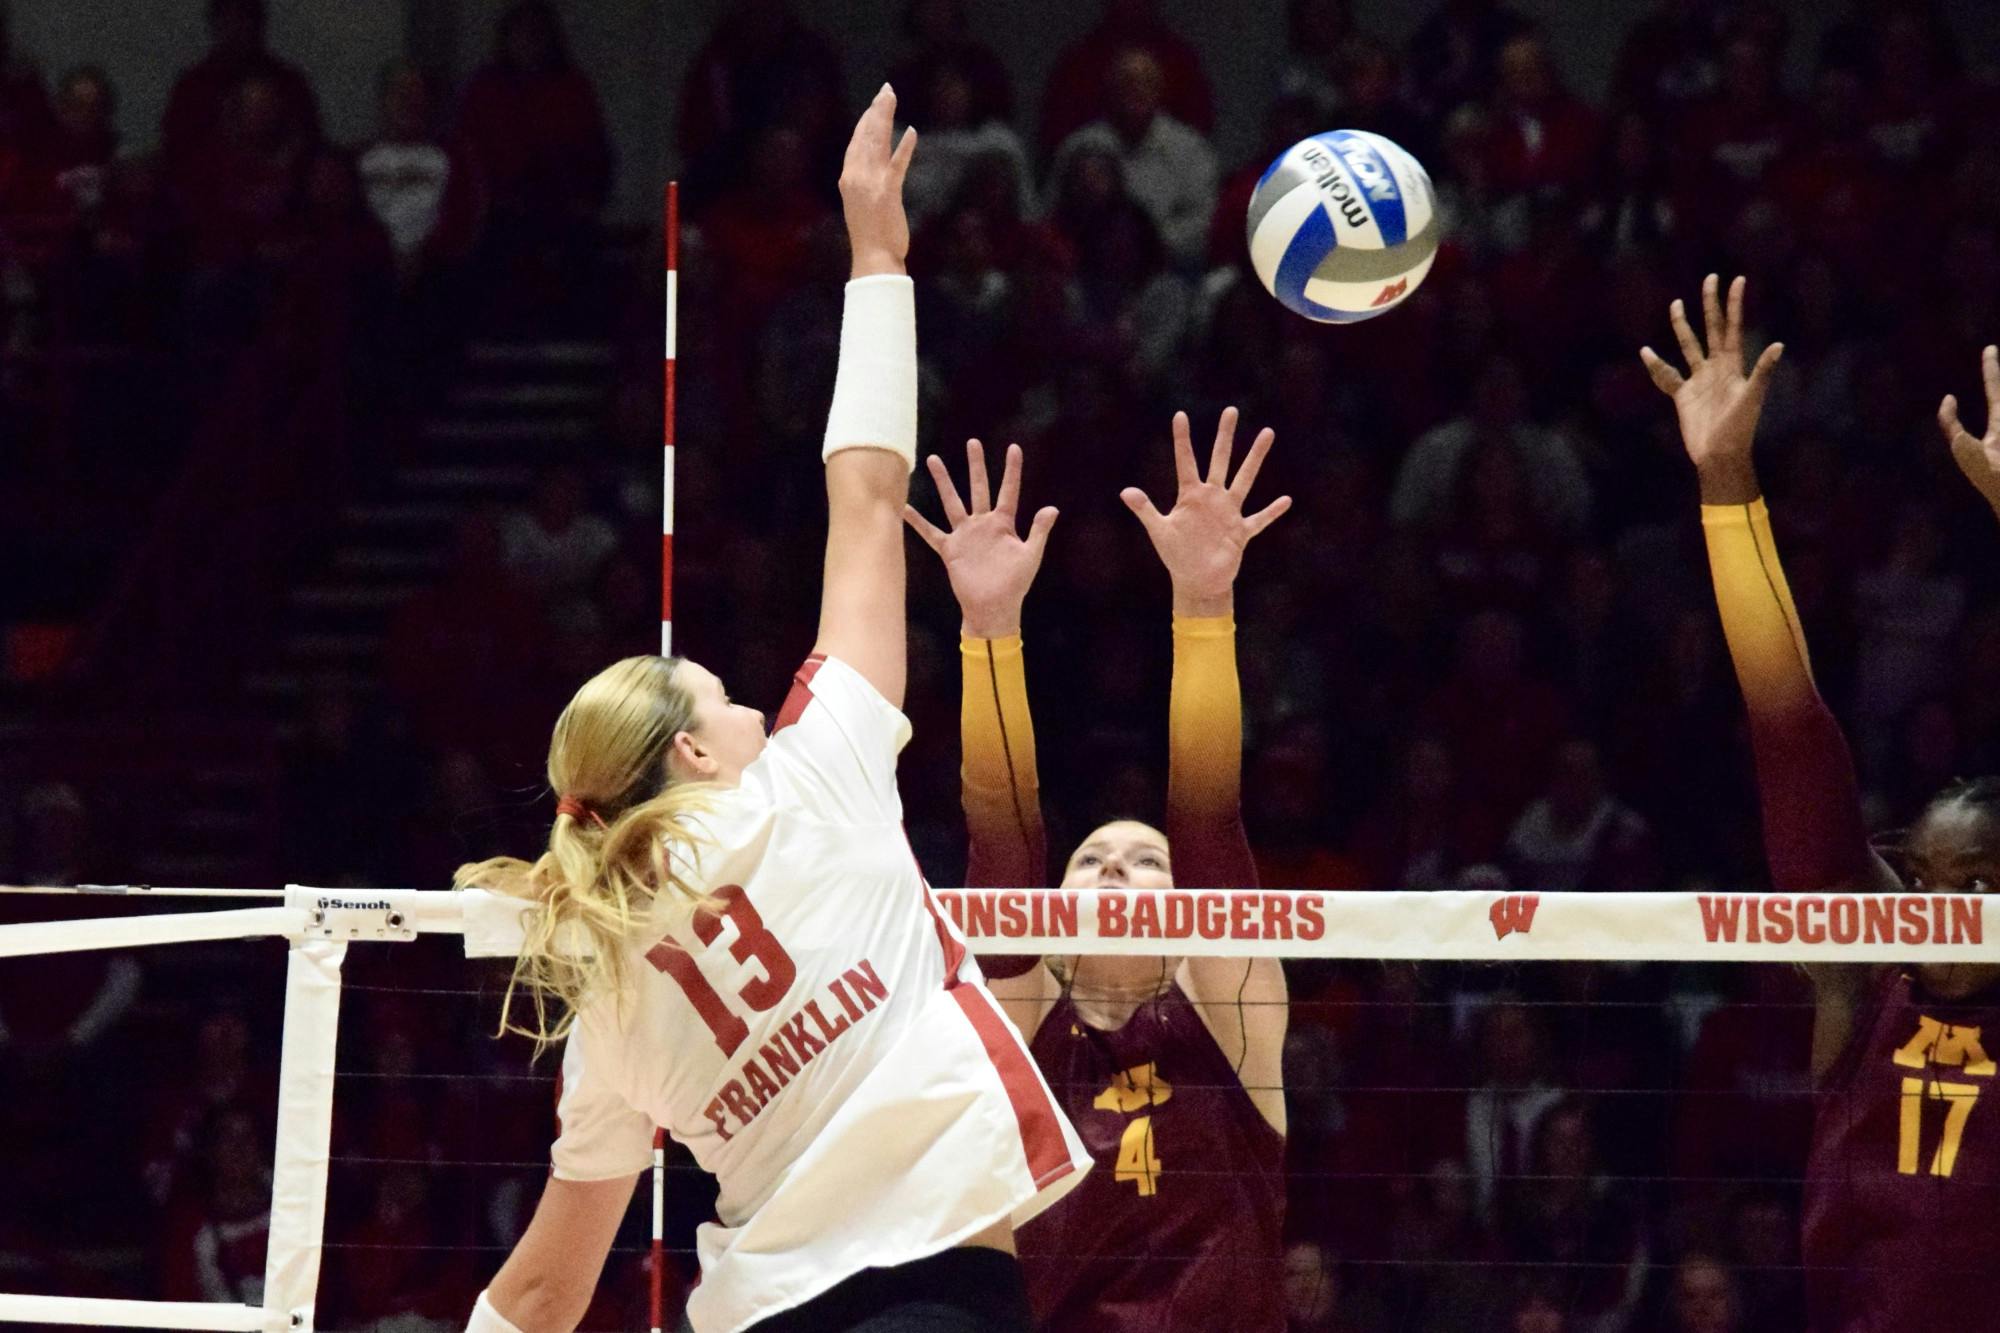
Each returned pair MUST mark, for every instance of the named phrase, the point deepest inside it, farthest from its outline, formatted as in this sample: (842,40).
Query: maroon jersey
(1179,1227)
(1902,1200)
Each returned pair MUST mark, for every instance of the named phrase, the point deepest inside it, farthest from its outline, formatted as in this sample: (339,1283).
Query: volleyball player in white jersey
(742,948)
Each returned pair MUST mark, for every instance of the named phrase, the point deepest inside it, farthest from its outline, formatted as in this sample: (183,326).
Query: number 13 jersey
(822,1042)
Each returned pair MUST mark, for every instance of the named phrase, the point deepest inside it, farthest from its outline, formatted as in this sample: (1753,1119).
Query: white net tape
(1300,924)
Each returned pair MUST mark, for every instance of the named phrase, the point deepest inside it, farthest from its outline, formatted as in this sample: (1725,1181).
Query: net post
(656,1297)
(305,1131)
(670,226)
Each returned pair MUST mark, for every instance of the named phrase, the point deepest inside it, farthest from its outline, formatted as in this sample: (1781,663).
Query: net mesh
(1520,1146)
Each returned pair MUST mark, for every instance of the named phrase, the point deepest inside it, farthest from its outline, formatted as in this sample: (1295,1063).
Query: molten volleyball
(1343,226)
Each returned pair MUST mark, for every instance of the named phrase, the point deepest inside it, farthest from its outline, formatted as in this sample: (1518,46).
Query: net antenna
(670,231)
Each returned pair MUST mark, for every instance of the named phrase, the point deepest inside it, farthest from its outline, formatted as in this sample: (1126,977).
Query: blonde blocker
(604,873)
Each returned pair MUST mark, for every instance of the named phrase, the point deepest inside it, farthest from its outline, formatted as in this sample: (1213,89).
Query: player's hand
(1717,404)
(871,189)
(991,566)
(1978,457)
(1201,539)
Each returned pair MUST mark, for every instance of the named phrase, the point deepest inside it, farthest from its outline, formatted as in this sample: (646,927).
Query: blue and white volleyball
(1343,226)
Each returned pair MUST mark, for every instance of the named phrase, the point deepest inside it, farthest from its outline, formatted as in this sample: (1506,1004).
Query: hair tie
(576,809)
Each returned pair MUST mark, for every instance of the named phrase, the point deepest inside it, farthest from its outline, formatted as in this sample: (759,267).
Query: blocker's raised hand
(871,188)
(1201,539)
(1978,457)
(990,565)
(1718,405)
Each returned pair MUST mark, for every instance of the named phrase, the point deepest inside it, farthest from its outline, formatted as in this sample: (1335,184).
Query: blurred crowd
(1480,653)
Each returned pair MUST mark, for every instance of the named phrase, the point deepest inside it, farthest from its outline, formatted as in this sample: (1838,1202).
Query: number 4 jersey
(822,1043)
(1902,1198)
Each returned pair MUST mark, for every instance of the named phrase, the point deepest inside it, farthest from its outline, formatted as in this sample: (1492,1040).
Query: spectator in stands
(1083,88)
(1545,140)
(532,123)
(1669,61)
(1706,1298)
(218,1073)
(1503,1114)
(1290,118)
(420,189)
(62,176)
(1418,836)
(1316,33)
(1376,97)
(475,612)
(214,1247)
(1452,56)
(956,135)
(1907,609)
(1320,1297)
(1168,168)
(937,34)
(1629,209)
(1764,1243)
(1497,418)
(243,193)
(1131,300)
(24,103)
(1735,140)
(1482,223)
(1911,86)
(763,67)
(761,229)
(555,544)
(404,1273)
(1566,1215)
(1580,836)
(200,107)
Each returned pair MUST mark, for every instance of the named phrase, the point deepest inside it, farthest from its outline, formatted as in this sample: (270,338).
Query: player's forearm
(1814,836)
(999,784)
(1205,756)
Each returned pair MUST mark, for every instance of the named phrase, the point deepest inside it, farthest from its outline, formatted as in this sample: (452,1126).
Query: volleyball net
(1460,1065)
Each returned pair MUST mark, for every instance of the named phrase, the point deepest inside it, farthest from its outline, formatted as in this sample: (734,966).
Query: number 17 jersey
(1902,1197)
(822,1041)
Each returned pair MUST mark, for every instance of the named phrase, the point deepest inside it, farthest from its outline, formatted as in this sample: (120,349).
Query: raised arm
(1978,457)
(991,568)
(1201,542)
(1814,836)
(871,429)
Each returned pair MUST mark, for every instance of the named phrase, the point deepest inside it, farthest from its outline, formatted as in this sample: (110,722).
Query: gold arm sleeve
(1759,620)
(999,787)
(1205,719)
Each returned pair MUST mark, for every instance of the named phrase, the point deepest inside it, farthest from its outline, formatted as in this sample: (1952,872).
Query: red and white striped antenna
(670,223)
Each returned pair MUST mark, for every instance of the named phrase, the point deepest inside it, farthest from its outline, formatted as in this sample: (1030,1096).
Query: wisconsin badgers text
(1888,918)
(1139,915)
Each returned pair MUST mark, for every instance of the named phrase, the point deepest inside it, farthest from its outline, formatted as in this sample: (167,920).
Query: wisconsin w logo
(1515,912)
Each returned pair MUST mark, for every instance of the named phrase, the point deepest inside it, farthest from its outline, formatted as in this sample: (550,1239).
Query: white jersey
(825,1045)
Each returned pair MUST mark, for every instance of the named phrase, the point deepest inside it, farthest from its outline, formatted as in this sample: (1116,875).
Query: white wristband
(486,1319)
(875,389)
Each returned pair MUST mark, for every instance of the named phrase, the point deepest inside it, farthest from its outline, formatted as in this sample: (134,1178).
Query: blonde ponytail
(622,844)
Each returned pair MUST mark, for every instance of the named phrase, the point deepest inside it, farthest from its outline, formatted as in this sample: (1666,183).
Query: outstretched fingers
(1246,476)
(932,534)
(978,490)
(1732,327)
(1225,445)
(1760,374)
(1038,531)
(1140,504)
(1185,471)
(954,508)
(1684,335)
(1989,369)
(1268,515)
(1712,326)
(1010,481)
(1665,378)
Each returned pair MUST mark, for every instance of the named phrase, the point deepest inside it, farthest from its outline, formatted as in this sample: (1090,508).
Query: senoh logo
(1513,914)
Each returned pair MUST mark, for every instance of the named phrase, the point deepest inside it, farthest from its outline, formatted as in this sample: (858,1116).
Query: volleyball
(1343,226)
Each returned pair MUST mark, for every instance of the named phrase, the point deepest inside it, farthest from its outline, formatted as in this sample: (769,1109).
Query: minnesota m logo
(1514,913)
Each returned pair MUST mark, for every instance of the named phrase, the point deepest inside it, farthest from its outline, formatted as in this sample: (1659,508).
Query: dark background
(329,430)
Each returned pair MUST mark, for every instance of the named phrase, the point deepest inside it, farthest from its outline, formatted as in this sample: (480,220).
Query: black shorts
(970,1289)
